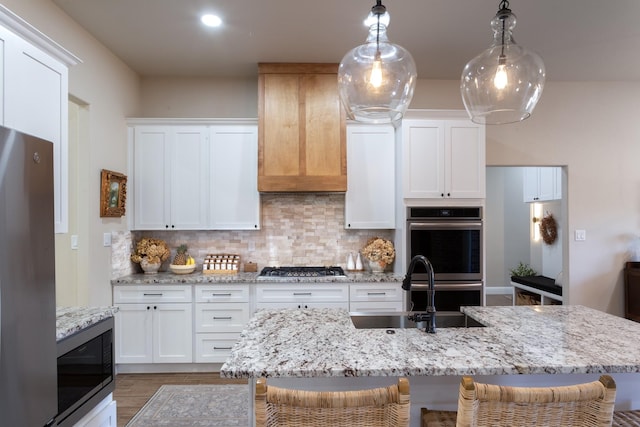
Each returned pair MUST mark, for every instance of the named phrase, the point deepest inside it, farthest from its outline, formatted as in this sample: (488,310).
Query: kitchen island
(523,345)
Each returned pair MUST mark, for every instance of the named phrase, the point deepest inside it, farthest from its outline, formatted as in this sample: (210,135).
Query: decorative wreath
(549,229)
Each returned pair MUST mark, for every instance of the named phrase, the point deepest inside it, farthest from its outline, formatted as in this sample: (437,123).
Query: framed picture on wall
(113,193)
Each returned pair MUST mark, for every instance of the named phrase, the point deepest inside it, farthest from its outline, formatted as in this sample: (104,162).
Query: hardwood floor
(133,390)
(499,300)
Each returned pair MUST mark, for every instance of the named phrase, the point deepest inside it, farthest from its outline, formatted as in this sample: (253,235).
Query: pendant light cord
(503,10)
(378,9)
(378,34)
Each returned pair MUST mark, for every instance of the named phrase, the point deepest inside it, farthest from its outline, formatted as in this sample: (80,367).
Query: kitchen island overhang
(532,345)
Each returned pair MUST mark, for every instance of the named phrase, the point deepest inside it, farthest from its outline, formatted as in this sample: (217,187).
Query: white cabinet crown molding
(435,114)
(28,32)
(133,121)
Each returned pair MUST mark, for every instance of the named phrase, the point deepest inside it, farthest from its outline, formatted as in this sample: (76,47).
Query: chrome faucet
(430,315)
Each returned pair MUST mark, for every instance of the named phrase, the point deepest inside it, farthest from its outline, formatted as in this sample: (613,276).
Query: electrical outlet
(581,235)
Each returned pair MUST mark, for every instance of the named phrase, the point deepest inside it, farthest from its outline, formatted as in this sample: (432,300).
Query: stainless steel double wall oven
(451,239)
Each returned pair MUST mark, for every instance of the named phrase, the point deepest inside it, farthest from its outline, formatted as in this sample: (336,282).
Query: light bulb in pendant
(500,81)
(376,72)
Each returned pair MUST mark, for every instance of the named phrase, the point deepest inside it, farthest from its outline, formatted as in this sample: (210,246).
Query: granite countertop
(516,340)
(198,277)
(70,320)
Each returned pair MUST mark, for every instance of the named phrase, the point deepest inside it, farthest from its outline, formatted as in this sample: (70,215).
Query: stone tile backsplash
(296,229)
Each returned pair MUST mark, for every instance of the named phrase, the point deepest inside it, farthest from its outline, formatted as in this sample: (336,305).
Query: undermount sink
(400,319)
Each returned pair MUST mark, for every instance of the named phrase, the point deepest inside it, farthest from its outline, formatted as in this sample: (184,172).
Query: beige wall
(199,97)
(110,91)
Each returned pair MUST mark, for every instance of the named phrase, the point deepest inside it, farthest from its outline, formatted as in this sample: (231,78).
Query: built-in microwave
(85,371)
(451,239)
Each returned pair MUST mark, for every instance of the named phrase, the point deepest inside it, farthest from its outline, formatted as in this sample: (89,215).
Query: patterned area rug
(195,405)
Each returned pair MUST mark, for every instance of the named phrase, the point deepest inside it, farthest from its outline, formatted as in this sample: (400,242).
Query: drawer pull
(301,293)
(221,348)
(222,318)
(376,293)
(152,295)
(221,295)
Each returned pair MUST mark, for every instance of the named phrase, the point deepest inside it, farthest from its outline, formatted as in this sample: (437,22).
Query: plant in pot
(380,253)
(150,253)
(523,270)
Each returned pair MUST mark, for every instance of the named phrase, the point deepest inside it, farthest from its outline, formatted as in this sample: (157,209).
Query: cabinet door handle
(222,318)
(152,295)
(221,348)
(221,295)
(301,294)
(376,293)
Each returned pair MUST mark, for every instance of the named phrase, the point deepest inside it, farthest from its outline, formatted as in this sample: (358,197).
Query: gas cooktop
(295,272)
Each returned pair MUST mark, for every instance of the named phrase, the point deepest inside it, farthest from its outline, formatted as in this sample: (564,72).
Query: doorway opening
(518,198)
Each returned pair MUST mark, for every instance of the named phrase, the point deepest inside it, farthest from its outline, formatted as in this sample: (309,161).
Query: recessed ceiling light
(211,20)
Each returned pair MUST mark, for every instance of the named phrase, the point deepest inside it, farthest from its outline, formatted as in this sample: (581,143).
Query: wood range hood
(301,129)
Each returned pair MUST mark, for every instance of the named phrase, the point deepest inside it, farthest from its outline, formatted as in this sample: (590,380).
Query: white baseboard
(154,368)
(498,290)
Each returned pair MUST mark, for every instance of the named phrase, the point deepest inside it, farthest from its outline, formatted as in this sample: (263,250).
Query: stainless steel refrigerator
(28,378)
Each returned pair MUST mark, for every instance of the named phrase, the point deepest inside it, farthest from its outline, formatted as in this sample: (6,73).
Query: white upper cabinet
(189,176)
(34,94)
(443,158)
(170,177)
(234,199)
(370,197)
(542,183)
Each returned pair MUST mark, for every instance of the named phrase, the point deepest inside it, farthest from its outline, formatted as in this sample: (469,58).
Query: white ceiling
(579,40)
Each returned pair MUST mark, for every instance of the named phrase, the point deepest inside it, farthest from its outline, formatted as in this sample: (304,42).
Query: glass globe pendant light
(504,83)
(376,80)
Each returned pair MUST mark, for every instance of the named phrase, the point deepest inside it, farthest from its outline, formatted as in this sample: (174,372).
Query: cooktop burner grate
(302,272)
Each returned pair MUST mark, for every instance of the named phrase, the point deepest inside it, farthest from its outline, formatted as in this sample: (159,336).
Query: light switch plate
(106,239)
(74,242)
(581,235)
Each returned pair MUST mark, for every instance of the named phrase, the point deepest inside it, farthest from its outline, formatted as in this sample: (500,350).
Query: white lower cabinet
(153,324)
(375,297)
(220,315)
(201,323)
(301,296)
(102,415)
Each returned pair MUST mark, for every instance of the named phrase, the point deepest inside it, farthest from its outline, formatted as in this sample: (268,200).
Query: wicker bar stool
(581,405)
(377,407)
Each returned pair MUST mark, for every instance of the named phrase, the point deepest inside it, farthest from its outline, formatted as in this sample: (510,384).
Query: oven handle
(451,286)
(444,225)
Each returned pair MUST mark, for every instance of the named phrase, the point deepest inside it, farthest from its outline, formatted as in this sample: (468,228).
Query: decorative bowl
(182,269)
